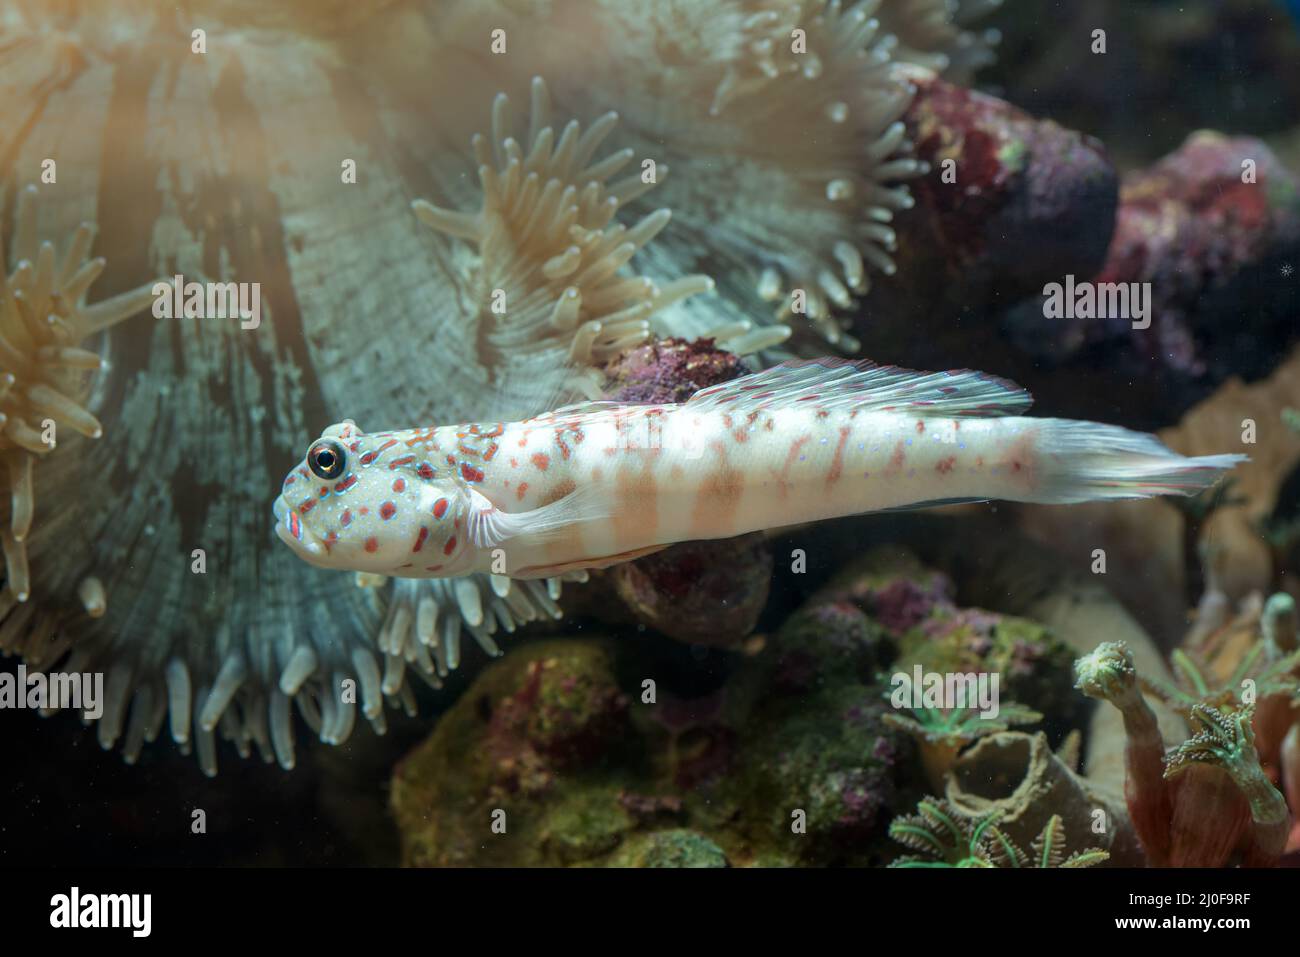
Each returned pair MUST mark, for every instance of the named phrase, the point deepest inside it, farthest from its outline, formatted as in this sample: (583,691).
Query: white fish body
(588,486)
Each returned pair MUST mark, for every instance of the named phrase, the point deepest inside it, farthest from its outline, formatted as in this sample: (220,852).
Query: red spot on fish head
(372,544)
(440,508)
(450,546)
(399,485)
(542,461)
(420,538)
(387,511)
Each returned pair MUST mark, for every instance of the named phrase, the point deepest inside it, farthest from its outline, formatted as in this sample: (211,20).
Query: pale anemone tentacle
(44,372)
(426,618)
(812,104)
(551,273)
(938,34)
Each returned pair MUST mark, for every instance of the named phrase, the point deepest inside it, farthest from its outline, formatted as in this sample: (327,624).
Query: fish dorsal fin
(843,384)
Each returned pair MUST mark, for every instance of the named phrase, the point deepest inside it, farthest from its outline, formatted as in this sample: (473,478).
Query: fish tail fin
(1089,461)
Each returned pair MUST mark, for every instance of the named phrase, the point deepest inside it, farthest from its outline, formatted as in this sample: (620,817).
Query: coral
(1227,741)
(946,838)
(1267,676)
(943,733)
(1209,801)
(1018,779)
(916,606)
(933,33)
(44,373)
(426,617)
(829,755)
(1108,672)
(740,74)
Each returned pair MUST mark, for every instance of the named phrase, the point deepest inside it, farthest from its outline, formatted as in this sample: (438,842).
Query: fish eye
(327,459)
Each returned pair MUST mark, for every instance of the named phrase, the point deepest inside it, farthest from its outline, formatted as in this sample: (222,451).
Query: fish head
(374,503)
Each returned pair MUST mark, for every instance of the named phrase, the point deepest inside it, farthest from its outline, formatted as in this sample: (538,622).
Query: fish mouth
(289,527)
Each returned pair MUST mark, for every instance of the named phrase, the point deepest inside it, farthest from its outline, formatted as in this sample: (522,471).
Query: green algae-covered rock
(557,755)
(673,848)
(516,773)
(815,778)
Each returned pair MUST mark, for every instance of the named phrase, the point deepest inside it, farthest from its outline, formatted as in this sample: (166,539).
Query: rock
(824,642)
(709,593)
(669,370)
(675,848)
(824,763)
(529,726)
(1214,240)
(914,608)
(1010,203)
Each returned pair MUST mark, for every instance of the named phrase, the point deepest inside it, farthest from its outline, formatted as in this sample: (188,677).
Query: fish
(598,483)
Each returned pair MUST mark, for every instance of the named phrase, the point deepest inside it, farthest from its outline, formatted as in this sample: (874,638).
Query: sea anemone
(44,374)
(210,166)
(805,114)
(935,34)
(550,254)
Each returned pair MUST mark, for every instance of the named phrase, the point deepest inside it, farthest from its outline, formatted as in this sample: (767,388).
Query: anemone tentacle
(551,256)
(44,372)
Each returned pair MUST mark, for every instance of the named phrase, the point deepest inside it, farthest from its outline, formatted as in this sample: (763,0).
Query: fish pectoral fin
(549,571)
(489,527)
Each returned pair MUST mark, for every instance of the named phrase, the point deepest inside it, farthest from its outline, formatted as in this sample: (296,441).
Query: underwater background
(770,654)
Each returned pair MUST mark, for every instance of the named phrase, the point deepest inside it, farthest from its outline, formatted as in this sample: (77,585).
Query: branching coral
(942,733)
(44,374)
(550,253)
(947,838)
